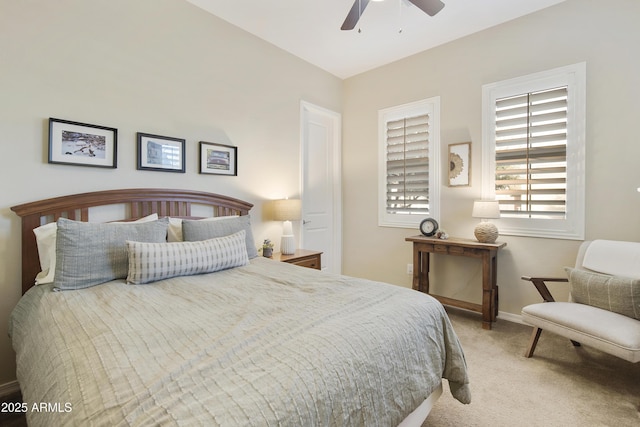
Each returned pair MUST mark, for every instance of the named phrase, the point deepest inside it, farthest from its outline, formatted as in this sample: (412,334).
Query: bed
(249,341)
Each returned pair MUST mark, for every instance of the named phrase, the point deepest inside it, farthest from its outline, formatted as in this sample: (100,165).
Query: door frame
(335,168)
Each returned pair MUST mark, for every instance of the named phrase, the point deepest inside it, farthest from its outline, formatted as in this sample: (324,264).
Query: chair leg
(535,335)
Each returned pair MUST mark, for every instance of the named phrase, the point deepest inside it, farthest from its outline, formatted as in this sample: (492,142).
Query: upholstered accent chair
(603,310)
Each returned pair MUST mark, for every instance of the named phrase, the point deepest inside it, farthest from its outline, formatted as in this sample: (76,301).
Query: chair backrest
(614,257)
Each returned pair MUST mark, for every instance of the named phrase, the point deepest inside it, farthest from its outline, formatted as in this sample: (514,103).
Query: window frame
(430,106)
(572,227)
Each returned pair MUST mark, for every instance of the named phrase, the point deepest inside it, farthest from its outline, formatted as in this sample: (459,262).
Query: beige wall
(604,34)
(155,66)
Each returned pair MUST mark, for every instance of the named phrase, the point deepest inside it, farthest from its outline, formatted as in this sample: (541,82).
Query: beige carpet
(559,386)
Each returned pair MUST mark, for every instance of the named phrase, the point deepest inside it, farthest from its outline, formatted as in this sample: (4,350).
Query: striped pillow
(150,262)
(614,293)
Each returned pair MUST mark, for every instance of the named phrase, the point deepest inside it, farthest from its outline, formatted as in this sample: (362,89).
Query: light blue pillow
(150,262)
(193,231)
(88,254)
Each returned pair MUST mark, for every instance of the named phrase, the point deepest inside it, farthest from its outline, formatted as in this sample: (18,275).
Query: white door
(321,184)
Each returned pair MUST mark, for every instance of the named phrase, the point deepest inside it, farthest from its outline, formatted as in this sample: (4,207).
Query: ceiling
(389,30)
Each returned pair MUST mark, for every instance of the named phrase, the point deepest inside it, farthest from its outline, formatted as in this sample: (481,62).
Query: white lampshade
(287,210)
(486,232)
(486,209)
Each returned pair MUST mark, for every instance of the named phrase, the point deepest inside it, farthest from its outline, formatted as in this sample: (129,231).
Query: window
(534,152)
(409,140)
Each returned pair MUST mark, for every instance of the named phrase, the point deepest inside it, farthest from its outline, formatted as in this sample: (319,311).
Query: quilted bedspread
(265,344)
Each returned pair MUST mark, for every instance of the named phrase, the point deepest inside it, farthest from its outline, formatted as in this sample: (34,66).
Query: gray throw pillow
(614,293)
(88,254)
(193,230)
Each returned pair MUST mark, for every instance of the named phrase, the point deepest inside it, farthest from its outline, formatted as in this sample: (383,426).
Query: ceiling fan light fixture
(430,7)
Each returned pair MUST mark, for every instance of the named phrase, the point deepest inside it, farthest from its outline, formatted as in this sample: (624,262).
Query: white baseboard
(510,317)
(9,388)
(503,315)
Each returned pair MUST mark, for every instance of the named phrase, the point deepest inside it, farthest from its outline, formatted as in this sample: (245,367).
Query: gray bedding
(265,344)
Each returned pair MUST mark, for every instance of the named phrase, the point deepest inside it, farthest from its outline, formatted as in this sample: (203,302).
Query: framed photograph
(218,159)
(160,153)
(82,144)
(460,164)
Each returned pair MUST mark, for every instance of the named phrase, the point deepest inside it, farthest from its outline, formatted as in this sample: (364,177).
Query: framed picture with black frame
(218,159)
(161,153)
(82,144)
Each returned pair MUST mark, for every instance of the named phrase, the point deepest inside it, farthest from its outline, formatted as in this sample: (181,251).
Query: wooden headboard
(139,202)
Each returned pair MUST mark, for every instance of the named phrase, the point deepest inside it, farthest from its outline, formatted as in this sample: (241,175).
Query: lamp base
(288,244)
(486,232)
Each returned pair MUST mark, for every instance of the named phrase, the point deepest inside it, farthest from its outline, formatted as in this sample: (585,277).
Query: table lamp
(287,210)
(486,232)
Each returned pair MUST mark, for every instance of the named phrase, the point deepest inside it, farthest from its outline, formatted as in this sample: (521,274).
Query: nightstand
(302,257)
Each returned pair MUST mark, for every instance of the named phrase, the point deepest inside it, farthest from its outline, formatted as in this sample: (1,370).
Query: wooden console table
(487,252)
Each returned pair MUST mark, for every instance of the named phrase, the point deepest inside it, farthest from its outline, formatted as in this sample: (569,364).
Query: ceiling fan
(430,7)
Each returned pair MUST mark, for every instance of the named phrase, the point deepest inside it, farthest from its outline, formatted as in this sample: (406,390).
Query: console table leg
(487,309)
(421,271)
(489,289)
(416,271)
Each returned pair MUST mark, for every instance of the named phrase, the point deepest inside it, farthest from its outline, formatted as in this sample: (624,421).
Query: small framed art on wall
(161,153)
(218,159)
(460,164)
(82,144)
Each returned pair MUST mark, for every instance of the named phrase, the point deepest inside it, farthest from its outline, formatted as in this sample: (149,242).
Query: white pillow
(175,227)
(150,262)
(46,242)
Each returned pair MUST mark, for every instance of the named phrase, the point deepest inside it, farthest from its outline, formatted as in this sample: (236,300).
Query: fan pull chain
(400,16)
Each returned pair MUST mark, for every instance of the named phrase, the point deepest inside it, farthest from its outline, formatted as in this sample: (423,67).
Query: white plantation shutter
(531,154)
(408,178)
(408,165)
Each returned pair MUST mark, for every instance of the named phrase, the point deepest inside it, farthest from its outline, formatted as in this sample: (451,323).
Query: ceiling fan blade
(430,7)
(354,14)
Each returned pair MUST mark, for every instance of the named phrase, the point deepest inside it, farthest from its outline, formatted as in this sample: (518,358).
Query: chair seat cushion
(607,331)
